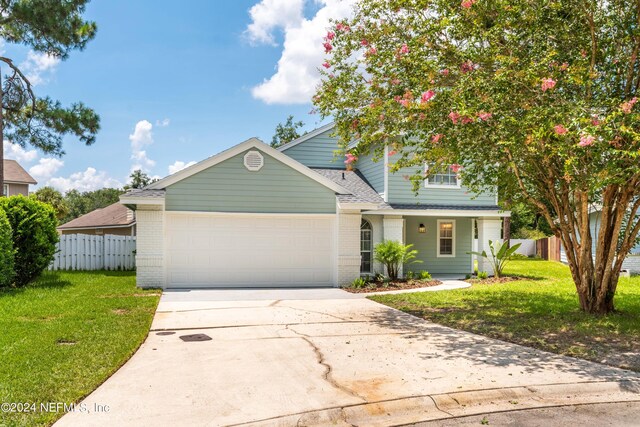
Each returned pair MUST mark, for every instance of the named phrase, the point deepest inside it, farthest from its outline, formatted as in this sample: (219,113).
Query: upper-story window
(445,178)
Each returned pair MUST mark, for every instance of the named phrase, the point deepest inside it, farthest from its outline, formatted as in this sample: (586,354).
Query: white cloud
(88,180)
(296,76)
(268,15)
(140,138)
(46,167)
(17,153)
(163,123)
(38,67)
(178,166)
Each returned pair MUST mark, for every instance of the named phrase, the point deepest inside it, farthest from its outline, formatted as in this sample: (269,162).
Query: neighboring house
(16,179)
(254,216)
(631,262)
(114,219)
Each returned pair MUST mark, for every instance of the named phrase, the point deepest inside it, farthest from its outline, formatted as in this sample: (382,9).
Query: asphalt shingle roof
(13,172)
(354,182)
(115,214)
(141,192)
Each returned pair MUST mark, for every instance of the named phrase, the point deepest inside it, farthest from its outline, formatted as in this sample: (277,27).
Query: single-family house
(16,179)
(114,219)
(255,216)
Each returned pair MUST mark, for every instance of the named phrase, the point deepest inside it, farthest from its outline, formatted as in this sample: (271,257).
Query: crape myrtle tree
(536,95)
(55,28)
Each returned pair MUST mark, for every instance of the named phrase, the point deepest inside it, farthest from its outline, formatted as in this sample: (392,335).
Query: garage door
(209,250)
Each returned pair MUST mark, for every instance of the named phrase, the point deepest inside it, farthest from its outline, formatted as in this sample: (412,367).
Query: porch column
(150,272)
(348,246)
(488,229)
(394,230)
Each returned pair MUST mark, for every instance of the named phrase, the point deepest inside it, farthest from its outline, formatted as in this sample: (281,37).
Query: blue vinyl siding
(372,170)
(230,187)
(317,152)
(426,245)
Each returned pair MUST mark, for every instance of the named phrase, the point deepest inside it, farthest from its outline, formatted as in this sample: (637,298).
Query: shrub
(409,275)
(425,275)
(483,275)
(359,283)
(500,254)
(7,272)
(34,235)
(394,254)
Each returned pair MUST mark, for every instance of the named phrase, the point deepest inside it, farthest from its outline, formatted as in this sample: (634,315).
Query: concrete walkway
(326,357)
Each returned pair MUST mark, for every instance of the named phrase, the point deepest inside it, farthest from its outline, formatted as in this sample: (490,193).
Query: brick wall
(150,247)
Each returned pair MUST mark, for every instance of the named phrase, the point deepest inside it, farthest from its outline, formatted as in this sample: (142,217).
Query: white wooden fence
(86,252)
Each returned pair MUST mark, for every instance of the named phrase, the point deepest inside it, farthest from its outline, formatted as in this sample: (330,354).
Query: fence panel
(88,252)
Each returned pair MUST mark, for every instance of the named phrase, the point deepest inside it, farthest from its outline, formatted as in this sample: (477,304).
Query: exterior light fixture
(422,228)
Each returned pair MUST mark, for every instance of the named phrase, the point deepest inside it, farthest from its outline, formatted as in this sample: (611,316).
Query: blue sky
(178,84)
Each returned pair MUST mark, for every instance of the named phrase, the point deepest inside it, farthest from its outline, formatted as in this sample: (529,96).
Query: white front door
(246,250)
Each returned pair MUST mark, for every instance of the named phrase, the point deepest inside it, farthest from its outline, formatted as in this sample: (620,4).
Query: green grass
(540,311)
(64,334)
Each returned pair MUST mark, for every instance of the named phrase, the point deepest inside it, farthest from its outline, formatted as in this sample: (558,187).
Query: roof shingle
(13,172)
(115,214)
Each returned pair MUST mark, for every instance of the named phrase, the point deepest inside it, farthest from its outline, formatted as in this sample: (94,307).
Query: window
(446,238)
(445,178)
(366,254)
(5,189)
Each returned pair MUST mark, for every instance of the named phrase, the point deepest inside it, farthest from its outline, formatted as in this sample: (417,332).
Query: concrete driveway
(326,357)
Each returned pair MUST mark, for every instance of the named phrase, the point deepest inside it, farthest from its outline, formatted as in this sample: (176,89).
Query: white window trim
(371,265)
(453,239)
(427,185)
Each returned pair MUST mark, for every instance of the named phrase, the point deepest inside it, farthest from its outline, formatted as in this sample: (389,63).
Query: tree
(286,132)
(82,203)
(539,97)
(54,28)
(54,198)
(139,179)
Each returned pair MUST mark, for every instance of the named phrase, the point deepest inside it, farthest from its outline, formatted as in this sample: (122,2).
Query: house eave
(441,213)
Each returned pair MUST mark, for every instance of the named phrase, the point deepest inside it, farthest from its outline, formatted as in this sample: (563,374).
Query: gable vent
(253,161)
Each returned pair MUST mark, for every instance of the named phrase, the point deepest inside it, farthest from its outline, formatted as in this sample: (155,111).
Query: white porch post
(150,271)
(394,230)
(348,246)
(488,229)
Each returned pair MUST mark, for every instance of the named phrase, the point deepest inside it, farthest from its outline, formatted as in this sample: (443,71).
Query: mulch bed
(393,286)
(493,280)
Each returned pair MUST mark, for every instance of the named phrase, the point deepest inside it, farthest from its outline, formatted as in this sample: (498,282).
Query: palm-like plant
(500,254)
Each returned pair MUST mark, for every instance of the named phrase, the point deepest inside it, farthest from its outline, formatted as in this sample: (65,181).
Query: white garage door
(209,250)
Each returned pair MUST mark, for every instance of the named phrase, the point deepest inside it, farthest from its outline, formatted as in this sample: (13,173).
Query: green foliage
(425,275)
(54,28)
(483,275)
(500,254)
(85,202)
(54,198)
(34,235)
(409,275)
(393,255)
(526,221)
(139,179)
(359,283)
(7,271)
(527,233)
(538,97)
(286,132)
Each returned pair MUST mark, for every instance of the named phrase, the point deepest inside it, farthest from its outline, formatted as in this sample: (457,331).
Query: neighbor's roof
(13,172)
(112,215)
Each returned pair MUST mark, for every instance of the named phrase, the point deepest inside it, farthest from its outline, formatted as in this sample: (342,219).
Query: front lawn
(64,334)
(540,311)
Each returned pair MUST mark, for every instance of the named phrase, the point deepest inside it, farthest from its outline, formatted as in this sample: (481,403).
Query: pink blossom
(326,64)
(372,51)
(426,96)
(595,120)
(405,102)
(404,49)
(484,115)
(364,42)
(626,107)
(445,72)
(330,35)
(392,153)
(467,3)
(467,120)
(548,83)
(560,130)
(395,82)
(436,138)
(467,66)
(455,168)
(350,159)
(327,47)
(586,140)
(564,66)
(454,117)
(343,27)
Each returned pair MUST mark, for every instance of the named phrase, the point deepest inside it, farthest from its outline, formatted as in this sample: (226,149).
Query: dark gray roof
(419,206)
(352,181)
(141,192)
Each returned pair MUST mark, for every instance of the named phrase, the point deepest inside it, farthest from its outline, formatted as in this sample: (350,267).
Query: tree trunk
(506,230)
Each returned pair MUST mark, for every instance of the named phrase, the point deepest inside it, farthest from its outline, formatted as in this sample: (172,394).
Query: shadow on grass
(48,280)
(455,345)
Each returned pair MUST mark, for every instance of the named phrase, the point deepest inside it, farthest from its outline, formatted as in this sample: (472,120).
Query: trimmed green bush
(7,271)
(34,235)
